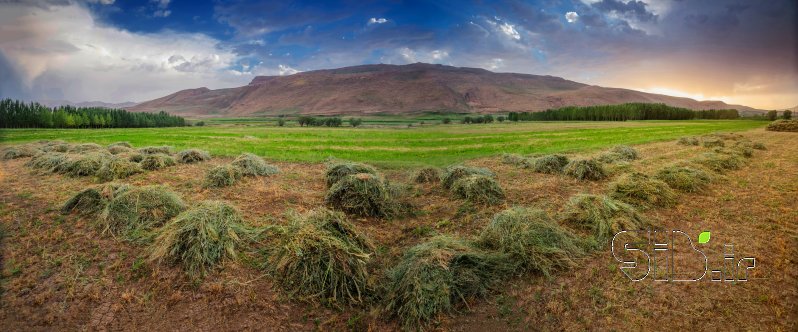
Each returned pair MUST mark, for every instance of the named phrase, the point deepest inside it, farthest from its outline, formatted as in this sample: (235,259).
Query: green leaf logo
(703,237)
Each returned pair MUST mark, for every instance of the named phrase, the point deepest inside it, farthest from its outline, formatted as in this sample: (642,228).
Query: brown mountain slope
(402,89)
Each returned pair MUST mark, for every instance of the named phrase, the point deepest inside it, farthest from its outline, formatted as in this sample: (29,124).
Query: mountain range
(404,89)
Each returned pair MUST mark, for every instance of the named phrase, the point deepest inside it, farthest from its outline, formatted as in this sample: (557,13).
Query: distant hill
(55,103)
(404,89)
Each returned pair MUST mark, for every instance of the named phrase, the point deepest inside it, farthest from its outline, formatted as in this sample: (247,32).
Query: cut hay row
(603,216)
(641,190)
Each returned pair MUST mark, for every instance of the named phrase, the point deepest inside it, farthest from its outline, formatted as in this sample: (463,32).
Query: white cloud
(162,13)
(495,63)
(407,55)
(375,20)
(571,17)
(510,31)
(161,6)
(286,70)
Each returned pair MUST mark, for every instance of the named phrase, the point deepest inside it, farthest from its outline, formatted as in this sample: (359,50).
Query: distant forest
(17,114)
(622,112)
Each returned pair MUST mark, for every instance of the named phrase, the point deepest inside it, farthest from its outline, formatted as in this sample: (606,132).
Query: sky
(738,51)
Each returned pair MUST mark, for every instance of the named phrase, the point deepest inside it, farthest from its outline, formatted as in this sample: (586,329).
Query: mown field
(436,145)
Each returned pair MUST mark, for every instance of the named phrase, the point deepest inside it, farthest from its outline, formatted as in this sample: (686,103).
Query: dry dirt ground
(60,273)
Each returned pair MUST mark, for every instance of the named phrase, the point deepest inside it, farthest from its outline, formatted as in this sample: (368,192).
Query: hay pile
(135,157)
(783,125)
(759,146)
(156,149)
(56,146)
(427,175)
(84,164)
(201,237)
(119,149)
(85,147)
(514,159)
(49,162)
(117,168)
(687,178)
(94,199)
(141,209)
(222,176)
(532,240)
(435,276)
(550,164)
(191,156)
(603,215)
(122,144)
(641,190)
(362,194)
(619,153)
(251,165)
(156,161)
(322,255)
(585,169)
(711,142)
(19,151)
(689,141)
(719,162)
(338,171)
(478,189)
(456,172)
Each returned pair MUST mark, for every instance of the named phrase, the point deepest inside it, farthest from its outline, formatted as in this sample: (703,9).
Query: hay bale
(322,255)
(427,175)
(783,125)
(118,149)
(478,189)
(94,199)
(222,176)
(19,151)
(585,169)
(686,178)
(199,238)
(434,276)
(122,144)
(156,149)
(719,162)
(362,194)
(141,209)
(252,165)
(338,171)
(456,172)
(191,156)
(156,161)
(713,143)
(603,215)
(47,161)
(117,168)
(532,240)
(550,164)
(690,141)
(641,190)
(85,147)
(84,165)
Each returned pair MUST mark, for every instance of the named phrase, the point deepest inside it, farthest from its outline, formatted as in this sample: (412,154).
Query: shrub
(156,149)
(641,190)
(117,168)
(222,176)
(338,171)
(551,164)
(434,276)
(85,165)
(201,237)
(252,165)
(456,172)
(156,161)
(122,144)
(531,239)
(193,156)
(141,209)
(322,255)
(479,189)
(687,178)
(603,215)
(94,199)
(47,161)
(585,169)
(85,147)
(688,141)
(719,162)
(118,149)
(427,175)
(20,151)
(713,142)
(362,194)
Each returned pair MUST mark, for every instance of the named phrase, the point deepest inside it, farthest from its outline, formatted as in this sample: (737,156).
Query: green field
(437,145)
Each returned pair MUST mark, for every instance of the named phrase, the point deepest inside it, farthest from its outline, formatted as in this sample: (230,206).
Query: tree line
(622,112)
(310,121)
(18,114)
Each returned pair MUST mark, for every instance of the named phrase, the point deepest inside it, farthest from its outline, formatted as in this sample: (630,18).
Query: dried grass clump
(252,165)
(362,194)
(119,149)
(156,161)
(141,209)
(338,171)
(456,172)
(745,151)
(514,159)
(720,162)
(85,147)
(686,178)
(427,175)
(85,165)
(19,151)
(585,169)
(56,146)
(625,152)
(688,141)
(478,189)
(641,190)
(157,149)
(322,255)
(191,156)
(783,125)
(550,164)
(135,157)
(222,176)
(47,161)
(710,142)
(117,168)
(759,146)
(122,144)
(435,276)
(603,215)
(201,237)
(94,199)
(532,240)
